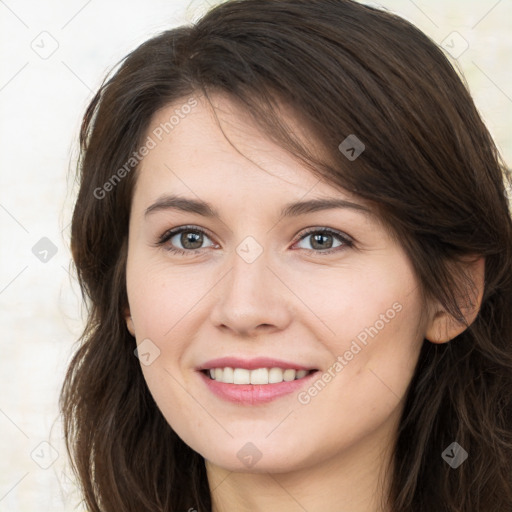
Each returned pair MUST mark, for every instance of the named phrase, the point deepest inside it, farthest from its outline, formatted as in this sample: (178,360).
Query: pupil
(318,238)
(192,238)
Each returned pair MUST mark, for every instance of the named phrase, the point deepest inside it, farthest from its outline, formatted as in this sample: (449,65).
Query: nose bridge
(249,268)
(250,294)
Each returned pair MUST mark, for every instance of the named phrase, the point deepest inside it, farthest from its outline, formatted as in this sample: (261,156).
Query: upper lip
(251,364)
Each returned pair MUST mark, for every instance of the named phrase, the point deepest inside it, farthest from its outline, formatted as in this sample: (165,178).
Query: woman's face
(323,289)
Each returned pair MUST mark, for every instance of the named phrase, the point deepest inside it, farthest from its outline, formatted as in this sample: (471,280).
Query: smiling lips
(254,381)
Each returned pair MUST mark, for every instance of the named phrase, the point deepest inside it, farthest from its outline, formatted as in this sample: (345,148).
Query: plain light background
(54,55)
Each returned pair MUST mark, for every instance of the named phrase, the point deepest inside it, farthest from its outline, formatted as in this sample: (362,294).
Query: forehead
(219,150)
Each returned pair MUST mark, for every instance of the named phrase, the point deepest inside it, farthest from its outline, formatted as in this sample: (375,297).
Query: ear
(129,321)
(442,325)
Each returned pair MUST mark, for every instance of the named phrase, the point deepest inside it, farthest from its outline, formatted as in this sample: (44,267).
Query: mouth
(257,376)
(253,381)
(257,386)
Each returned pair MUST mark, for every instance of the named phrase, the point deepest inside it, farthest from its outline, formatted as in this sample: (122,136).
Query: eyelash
(346,241)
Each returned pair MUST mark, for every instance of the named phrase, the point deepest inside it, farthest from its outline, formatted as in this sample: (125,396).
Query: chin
(246,457)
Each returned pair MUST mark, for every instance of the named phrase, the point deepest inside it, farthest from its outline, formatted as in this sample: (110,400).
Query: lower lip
(254,394)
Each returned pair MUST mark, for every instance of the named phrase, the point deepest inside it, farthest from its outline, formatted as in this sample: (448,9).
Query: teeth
(257,376)
(227,375)
(240,376)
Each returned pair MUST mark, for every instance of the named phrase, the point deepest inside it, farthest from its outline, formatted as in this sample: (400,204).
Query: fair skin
(293,302)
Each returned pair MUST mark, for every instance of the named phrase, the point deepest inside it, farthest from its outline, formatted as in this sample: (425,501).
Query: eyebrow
(173,202)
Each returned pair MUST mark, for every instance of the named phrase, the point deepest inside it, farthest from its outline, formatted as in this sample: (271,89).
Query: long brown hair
(429,166)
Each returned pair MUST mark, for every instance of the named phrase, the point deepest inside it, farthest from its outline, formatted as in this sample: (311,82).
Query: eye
(323,239)
(191,238)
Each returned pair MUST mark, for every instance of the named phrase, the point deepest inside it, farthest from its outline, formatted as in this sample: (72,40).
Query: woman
(293,232)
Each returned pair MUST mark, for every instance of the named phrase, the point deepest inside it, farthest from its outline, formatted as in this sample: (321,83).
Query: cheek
(162,306)
(364,302)
(160,296)
(374,319)
(165,305)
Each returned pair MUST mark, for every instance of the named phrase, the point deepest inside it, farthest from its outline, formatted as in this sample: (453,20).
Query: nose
(252,299)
